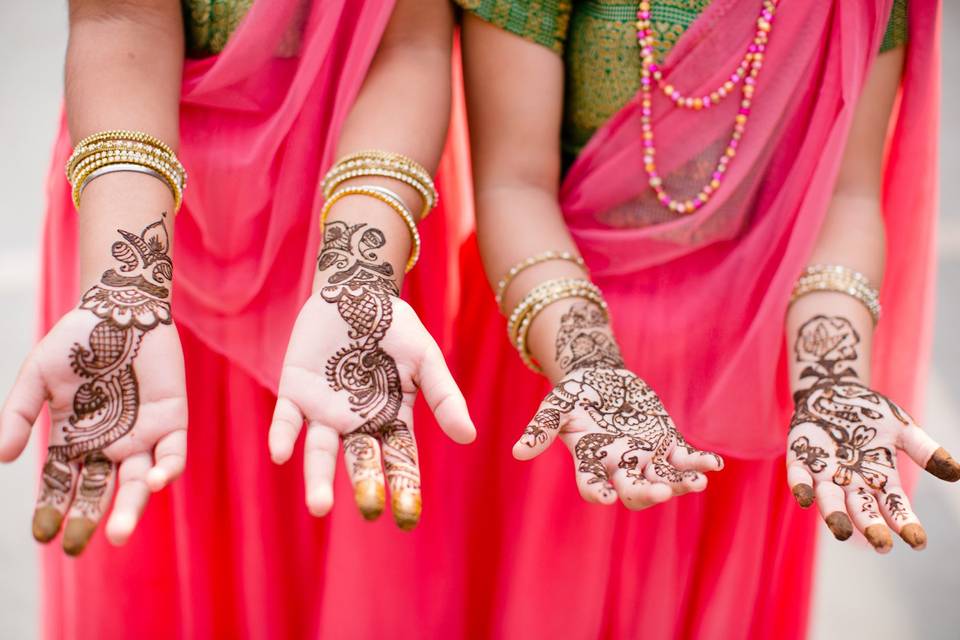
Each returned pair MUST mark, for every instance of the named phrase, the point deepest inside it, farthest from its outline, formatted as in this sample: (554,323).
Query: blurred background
(858,594)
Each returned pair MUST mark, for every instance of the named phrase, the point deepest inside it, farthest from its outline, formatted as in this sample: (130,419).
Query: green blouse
(209,23)
(598,41)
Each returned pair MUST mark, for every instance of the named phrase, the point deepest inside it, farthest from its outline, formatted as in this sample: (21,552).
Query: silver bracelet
(113,168)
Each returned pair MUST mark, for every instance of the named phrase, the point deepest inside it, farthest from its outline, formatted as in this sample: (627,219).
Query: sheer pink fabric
(504,549)
(699,306)
(703,297)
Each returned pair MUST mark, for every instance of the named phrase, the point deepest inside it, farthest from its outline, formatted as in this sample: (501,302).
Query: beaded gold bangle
(390,199)
(424,190)
(521,266)
(125,134)
(385,164)
(82,153)
(540,298)
(149,162)
(829,277)
(124,150)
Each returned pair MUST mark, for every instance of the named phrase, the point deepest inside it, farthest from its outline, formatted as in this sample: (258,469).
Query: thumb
(443,396)
(21,410)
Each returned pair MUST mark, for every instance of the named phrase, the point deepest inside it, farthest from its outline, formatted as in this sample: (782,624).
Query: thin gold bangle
(539,299)
(386,160)
(390,199)
(839,279)
(526,263)
(144,161)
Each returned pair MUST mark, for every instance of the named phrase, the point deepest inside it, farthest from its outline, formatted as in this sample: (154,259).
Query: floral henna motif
(130,300)
(362,287)
(839,404)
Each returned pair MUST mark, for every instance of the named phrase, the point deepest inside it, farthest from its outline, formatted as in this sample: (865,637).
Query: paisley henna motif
(362,287)
(130,301)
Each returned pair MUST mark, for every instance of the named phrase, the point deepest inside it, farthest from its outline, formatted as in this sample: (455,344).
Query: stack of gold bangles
(542,296)
(829,277)
(117,150)
(381,164)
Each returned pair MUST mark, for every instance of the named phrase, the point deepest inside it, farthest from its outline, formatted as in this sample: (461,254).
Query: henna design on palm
(843,440)
(129,301)
(362,288)
(615,423)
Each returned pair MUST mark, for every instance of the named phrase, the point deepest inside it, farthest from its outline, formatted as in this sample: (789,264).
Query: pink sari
(229,551)
(699,303)
(504,549)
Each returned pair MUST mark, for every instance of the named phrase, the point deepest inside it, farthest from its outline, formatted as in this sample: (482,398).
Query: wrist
(573,334)
(127,202)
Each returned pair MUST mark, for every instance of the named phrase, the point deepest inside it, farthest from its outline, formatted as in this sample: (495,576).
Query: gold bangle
(81,153)
(93,156)
(538,299)
(522,342)
(516,269)
(393,165)
(144,161)
(390,199)
(124,134)
(840,279)
(335,180)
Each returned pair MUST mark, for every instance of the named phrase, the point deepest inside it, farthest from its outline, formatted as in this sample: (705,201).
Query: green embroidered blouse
(598,41)
(209,23)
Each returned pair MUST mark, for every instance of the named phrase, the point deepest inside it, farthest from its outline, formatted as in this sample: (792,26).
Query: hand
(356,357)
(111,372)
(621,437)
(841,451)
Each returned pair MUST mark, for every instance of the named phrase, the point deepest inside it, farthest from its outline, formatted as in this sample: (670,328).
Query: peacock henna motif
(839,404)
(362,287)
(130,300)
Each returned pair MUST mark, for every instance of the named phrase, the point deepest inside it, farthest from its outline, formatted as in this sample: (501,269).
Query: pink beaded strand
(747,71)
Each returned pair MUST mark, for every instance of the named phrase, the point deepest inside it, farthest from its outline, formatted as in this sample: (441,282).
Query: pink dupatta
(699,300)
(259,125)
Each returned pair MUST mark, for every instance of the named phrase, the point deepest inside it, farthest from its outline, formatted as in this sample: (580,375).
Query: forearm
(852,237)
(404,108)
(515,223)
(123,70)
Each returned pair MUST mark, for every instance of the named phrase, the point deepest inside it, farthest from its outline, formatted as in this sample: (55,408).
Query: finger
(540,433)
(831,501)
(133,491)
(679,482)
(443,396)
(319,467)
(94,490)
(57,484)
(170,459)
(896,510)
(636,492)
(284,429)
(593,480)
(925,451)
(862,507)
(403,474)
(20,411)
(801,483)
(689,458)
(361,453)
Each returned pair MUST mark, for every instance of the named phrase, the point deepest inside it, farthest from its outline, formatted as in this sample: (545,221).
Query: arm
(515,96)
(844,436)
(359,386)
(115,389)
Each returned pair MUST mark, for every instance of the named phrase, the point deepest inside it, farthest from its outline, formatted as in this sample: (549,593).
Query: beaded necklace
(746,74)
